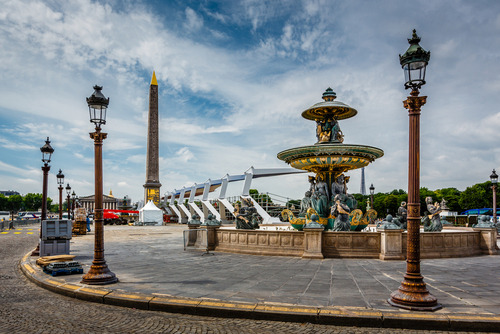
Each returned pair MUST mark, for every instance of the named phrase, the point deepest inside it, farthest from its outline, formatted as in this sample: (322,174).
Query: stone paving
(151,260)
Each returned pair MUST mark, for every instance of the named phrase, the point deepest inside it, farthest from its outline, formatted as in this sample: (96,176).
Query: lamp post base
(413,295)
(99,274)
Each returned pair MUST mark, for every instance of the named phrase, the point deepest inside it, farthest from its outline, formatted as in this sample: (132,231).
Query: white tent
(151,214)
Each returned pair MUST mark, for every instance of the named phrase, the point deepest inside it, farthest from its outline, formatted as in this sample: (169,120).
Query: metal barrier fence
(5,224)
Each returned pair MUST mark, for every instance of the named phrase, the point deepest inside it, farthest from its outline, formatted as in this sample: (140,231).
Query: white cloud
(194,22)
(11,145)
(184,155)
(225,107)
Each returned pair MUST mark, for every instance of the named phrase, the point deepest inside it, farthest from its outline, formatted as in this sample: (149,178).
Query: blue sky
(234,77)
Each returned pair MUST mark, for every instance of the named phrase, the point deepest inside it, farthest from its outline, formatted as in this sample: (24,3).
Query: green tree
(402,198)
(379,204)
(54,208)
(262,199)
(391,204)
(452,197)
(477,196)
(4,203)
(15,203)
(398,192)
(362,201)
(32,202)
(254,193)
(294,202)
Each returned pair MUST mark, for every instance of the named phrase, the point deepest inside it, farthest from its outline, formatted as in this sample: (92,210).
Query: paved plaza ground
(151,263)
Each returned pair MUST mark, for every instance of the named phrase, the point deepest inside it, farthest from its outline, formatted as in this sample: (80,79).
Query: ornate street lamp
(99,272)
(413,293)
(494,181)
(73,197)
(68,200)
(372,191)
(47,151)
(60,182)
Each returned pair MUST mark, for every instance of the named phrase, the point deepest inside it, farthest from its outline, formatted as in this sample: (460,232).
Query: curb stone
(341,316)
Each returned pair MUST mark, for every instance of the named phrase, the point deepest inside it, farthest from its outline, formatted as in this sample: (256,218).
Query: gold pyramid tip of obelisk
(153,79)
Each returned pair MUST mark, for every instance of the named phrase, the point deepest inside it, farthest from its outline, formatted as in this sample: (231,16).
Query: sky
(234,78)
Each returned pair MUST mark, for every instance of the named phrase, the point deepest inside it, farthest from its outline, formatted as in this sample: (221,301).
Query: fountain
(327,204)
(329,159)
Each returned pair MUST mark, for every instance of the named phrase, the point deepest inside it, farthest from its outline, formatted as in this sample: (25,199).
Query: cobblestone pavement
(151,260)
(27,308)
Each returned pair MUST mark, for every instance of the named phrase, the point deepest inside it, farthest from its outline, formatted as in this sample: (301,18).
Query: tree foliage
(15,203)
(29,202)
(262,199)
(32,202)
(477,196)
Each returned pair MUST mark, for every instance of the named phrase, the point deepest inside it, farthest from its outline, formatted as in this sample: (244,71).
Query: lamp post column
(45,169)
(99,272)
(68,199)
(47,151)
(413,293)
(494,187)
(60,201)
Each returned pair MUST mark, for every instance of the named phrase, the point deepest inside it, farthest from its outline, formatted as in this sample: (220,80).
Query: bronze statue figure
(339,186)
(195,220)
(247,218)
(341,212)
(211,221)
(402,215)
(305,204)
(320,198)
(432,221)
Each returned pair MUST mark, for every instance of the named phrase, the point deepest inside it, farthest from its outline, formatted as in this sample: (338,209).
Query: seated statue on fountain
(484,221)
(211,221)
(431,219)
(328,131)
(319,198)
(341,212)
(402,216)
(195,220)
(305,204)
(247,218)
(339,186)
(389,223)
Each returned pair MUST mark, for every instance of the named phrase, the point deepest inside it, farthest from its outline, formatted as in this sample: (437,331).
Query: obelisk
(152,185)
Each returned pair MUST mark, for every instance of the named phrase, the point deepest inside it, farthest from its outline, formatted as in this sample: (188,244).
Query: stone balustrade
(383,244)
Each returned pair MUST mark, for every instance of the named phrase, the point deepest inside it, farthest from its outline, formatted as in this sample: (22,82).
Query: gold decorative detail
(356,217)
(153,80)
(153,194)
(288,215)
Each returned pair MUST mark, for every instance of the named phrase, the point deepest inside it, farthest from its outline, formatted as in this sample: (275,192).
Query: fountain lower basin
(385,245)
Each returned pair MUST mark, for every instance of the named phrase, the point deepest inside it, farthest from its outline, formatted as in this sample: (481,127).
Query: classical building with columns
(88,202)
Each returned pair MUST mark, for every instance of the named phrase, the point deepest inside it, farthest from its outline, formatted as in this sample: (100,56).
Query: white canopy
(151,214)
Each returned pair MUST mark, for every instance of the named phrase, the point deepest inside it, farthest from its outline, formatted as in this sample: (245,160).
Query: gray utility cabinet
(56,229)
(55,237)
(54,247)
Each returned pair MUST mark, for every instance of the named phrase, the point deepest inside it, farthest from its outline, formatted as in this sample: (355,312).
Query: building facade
(108,203)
